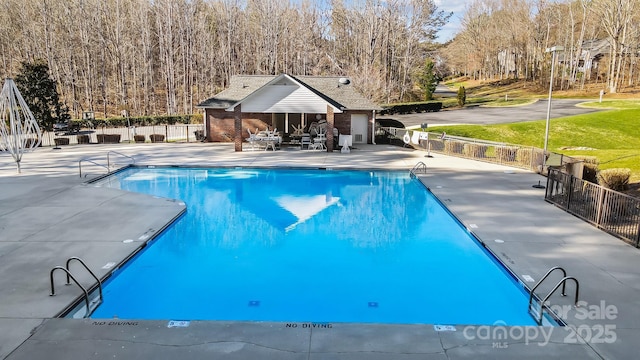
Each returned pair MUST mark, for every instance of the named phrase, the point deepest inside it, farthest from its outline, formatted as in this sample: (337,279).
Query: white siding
(288,98)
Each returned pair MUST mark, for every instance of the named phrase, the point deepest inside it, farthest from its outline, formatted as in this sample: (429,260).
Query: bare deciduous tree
(525,28)
(164,56)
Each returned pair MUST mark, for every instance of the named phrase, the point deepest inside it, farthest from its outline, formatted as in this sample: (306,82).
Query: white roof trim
(308,92)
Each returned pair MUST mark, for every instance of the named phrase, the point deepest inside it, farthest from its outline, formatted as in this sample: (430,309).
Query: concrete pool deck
(48,214)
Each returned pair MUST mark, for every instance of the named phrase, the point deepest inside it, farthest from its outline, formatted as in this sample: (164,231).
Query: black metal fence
(611,211)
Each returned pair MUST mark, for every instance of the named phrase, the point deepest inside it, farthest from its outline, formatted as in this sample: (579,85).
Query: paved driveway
(494,115)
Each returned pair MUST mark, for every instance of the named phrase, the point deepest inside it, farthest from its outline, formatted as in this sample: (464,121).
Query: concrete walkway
(48,214)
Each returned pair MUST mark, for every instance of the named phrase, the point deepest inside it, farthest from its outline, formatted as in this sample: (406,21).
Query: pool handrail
(84,290)
(91,161)
(419,166)
(71,277)
(564,274)
(133,161)
(562,282)
(86,268)
(108,166)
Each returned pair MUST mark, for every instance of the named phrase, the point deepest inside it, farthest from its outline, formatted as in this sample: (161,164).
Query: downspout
(373,127)
(237,124)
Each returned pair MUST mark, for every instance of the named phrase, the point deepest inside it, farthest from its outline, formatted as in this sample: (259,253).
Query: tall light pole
(553,51)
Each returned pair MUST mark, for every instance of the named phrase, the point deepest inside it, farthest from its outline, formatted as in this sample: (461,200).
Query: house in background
(593,51)
(284,102)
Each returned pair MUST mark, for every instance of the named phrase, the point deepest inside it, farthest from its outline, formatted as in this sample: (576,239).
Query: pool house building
(285,103)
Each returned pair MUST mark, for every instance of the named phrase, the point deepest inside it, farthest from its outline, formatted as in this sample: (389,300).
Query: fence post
(638,235)
(549,190)
(166,133)
(600,201)
(570,191)
(531,160)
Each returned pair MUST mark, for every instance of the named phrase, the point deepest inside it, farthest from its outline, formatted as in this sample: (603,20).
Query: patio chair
(270,144)
(253,141)
(313,128)
(319,142)
(305,140)
(322,129)
(297,131)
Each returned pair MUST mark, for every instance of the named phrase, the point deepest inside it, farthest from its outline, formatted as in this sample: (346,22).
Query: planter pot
(199,135)
(61,141)
(156,138)
(83,139)
(108,138)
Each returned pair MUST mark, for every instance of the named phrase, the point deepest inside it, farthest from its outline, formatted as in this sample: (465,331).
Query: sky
(457,7)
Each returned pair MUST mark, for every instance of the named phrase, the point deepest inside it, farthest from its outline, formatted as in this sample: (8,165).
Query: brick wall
(219,124)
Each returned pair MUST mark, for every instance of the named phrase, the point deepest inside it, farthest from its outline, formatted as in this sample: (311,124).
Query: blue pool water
(308,245)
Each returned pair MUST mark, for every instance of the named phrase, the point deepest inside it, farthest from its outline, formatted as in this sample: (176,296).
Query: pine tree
(427,79)
(462,96)
(41,94)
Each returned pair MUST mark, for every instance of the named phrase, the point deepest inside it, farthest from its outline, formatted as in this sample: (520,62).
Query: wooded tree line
(164,56)
(508,39)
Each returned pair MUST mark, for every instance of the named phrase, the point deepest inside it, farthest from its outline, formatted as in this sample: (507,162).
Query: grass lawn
(612,136)
(613,104)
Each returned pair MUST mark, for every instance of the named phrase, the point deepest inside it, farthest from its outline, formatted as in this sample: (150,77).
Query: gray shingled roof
(597,46)
(328,87)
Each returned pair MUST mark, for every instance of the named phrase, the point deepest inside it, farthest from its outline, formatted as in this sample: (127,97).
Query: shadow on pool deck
(48,215)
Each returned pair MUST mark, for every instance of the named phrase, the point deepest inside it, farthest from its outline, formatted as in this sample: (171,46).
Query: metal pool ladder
(419,167)
(71,277)
(108,166)
(563,282)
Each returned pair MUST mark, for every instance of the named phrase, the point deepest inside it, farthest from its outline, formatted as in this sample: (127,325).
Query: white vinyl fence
(161,133)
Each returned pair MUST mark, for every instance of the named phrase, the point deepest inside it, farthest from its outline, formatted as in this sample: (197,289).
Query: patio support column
(330,122)
(207,126)
(237,124)
(373,127)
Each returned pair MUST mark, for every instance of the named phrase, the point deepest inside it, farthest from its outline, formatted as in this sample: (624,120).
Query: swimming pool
(308,245)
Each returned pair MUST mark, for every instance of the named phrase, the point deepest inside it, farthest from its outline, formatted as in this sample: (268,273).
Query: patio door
(278,121)
(285,122)
(359,128)
(293,121)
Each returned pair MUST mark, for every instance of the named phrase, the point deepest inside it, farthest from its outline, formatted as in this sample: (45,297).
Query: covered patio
(289,109)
